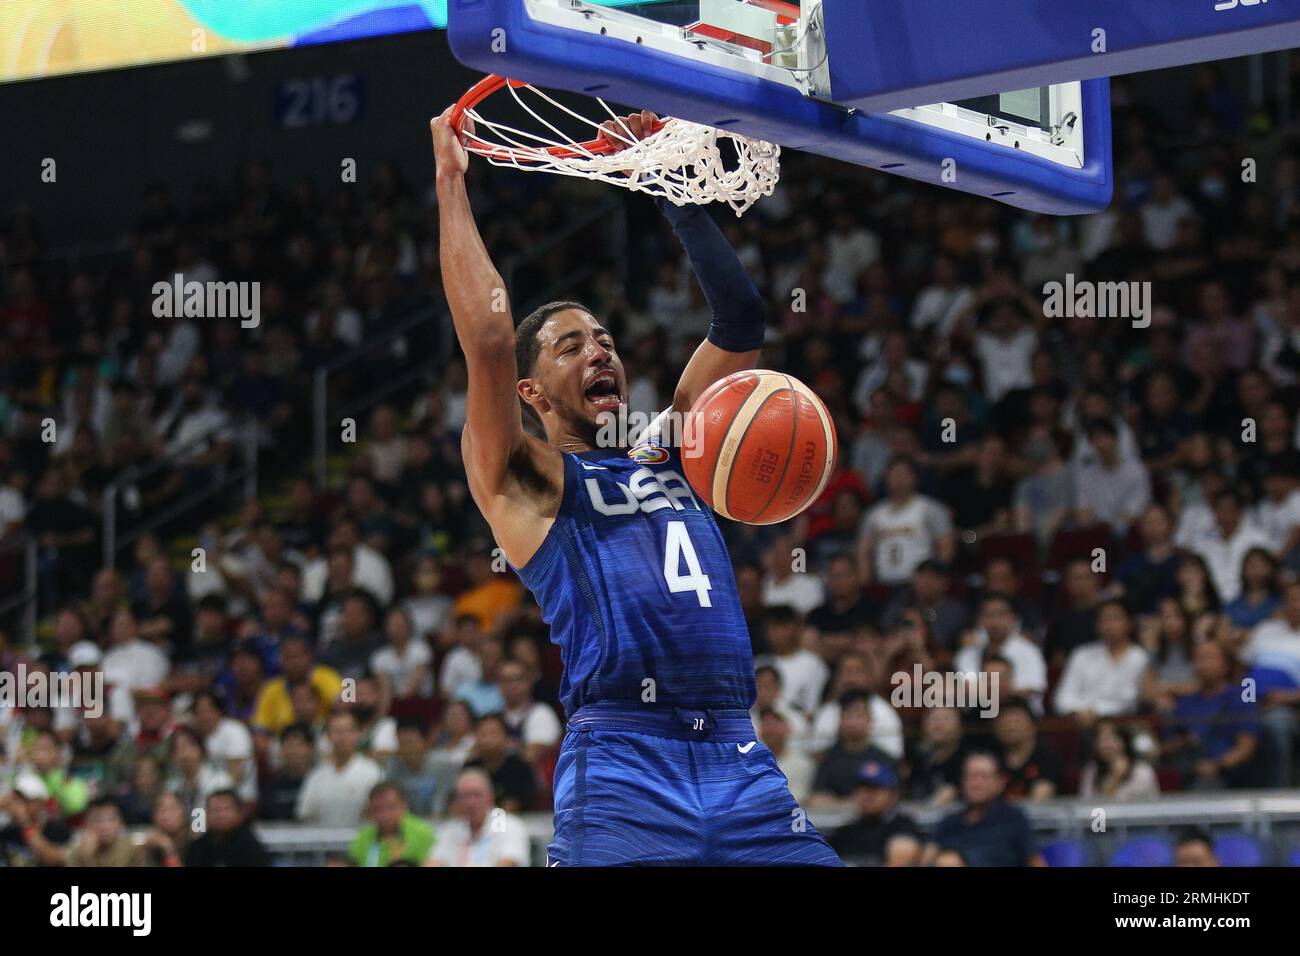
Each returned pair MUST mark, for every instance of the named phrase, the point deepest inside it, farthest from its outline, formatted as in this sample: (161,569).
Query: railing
(394,341)
(1258,813)
(113,541)
(23,551)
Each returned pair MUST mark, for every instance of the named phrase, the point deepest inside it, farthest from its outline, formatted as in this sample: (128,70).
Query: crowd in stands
(1095,518)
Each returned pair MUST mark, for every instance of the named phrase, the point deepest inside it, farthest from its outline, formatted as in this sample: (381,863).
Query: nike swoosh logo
(747,748)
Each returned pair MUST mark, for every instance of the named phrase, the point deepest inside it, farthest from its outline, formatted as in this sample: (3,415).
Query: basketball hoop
(680,161)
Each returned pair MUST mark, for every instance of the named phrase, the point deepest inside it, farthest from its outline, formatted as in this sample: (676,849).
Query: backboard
(763,68)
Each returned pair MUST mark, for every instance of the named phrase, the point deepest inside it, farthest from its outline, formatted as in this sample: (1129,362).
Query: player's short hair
(526,347)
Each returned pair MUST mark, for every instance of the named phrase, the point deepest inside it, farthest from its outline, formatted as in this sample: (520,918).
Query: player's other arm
(736,330)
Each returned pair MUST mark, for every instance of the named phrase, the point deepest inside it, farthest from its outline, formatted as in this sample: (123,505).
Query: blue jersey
(636,584)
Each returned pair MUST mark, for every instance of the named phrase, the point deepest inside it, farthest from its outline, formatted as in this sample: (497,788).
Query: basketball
(760,446)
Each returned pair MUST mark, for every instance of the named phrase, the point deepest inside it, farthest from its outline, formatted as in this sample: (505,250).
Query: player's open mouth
(603,392)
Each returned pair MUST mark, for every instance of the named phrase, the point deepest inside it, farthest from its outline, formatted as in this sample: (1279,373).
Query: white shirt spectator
(182,345)
(135,664)
(336,797)
(400,667)
(1160,221)
(904,535)
(848,254)
(1096,681)
(502,838)
(803,678)
(370,570)
(886,727)
(1224,557)
(803,592)
(348,327)
(12,508)
(461,666)
(197,431)
(1006,363)
(231,741)
(1028,669)
(1277,519)
(535,723)
(939,307)
(1274,645)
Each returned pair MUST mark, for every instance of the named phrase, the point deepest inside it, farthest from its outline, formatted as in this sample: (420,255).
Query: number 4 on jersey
(678,546)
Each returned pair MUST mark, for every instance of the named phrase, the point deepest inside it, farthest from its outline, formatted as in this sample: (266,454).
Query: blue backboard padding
(621,72)
(892,54)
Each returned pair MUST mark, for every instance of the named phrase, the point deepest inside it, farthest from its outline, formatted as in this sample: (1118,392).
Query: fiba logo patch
(649,454)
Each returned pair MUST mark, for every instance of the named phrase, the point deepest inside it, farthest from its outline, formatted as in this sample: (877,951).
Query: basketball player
(660,764)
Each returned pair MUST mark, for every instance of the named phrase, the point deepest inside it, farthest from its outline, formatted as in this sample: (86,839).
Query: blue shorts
(637,785)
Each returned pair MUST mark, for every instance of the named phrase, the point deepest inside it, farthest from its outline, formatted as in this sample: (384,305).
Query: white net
(684,162)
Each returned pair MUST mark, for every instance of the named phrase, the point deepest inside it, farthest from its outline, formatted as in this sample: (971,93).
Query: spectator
(393,833)
(997,632)
(903,530)
(167,840)
(803,673)
(454,738)
(532,724)
(1195,849)
(1167,639)
(795,763)
(937,759)
(1272,652)
(483,693)
(131,662)
(228,839)
(274,710)
(1076,623)
(788,582)
(33,836)
(279,799)
(1258,598)
(1225,547)
(1212,736)
(1113,770)
(104,841)
(1151,575)
(480,833)
(404,663)
(1112,490)
(1031,770)
(334,793)
(1103,677)
(928,593)
(846,608)
(837,774)
(856,672)
(987,831)
(879,835)
(512,779)
(228,744)
(426,777)
(193,777)
(1044,498)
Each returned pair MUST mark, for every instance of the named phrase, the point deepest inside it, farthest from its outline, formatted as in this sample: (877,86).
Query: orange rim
(490,84)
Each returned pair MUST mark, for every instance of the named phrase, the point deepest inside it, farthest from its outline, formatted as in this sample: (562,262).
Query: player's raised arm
(481,313)
(736,330)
